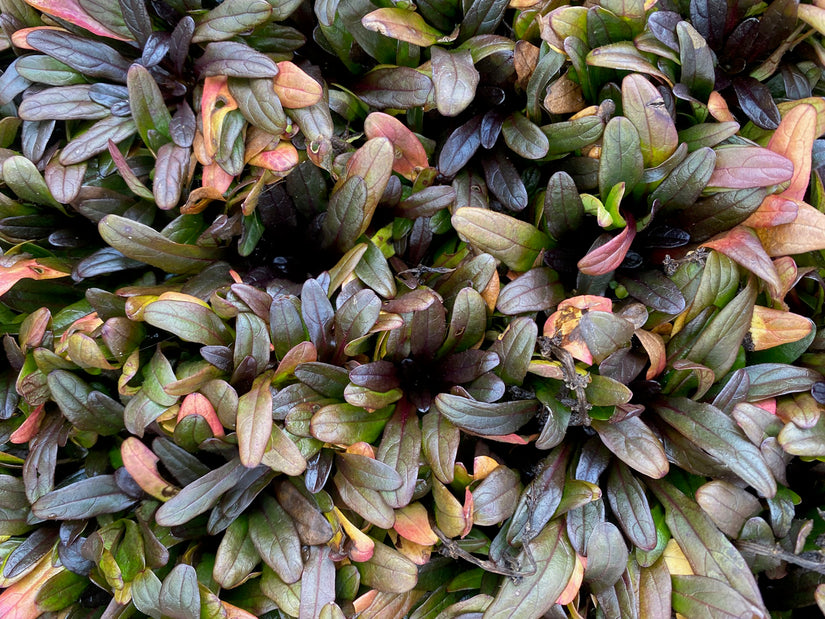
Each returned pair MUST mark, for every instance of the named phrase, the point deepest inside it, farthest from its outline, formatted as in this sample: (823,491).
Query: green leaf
(495,498)
(696,57)
(514,242)
(62,103)
(606,556)
(524,138)
(440,438)
(685,183)
(515,349)
(254,420)
(394,87)
(148,107)
(231,18)
(83,499)
(706,548)
(486,419)
(190,321)
(628,502)
(179,597)
(644,106)
(72,395)
(276,539)
(236,556)
(47,70)
(96,139)
(199,495)
(259,104)
(625,57)
(345,424)
(234,59)
(388,570)
(718,435)
(635,444)
(571,135)
(534,594)
(709,598)
(621,158)
(22,177)
(482,17)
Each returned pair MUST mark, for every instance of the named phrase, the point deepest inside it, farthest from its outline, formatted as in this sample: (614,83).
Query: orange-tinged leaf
(72,12)
(483,466)
(19,37)
(233,612)
(770,327)
(215,177)
(718,108)
(805,233)
(786,268)
(741,245)
(28,429)
(361,448)
(609,256)
(294,87)
(216,102)
(794,138)
(303,352)
(15,268)
(198,404)
(566,319)
(774,210)
(19,601)
(412,523)
(364,601)
(654,346)
(142,465)
(410,156)
(819,105)
(574,584)
(281,159)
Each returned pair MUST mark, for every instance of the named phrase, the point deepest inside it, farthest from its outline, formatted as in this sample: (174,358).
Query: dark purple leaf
(756,101)
(460,147)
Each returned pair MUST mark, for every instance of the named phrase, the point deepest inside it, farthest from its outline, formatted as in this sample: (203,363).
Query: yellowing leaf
(15,268)
(402,25)
(770,327)
(294,87)
(216,103)
(19,601)
(794,139)
(676,560)
(805,233)
(574,584)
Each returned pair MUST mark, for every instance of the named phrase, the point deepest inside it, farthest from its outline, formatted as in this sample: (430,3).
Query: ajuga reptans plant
(434,309)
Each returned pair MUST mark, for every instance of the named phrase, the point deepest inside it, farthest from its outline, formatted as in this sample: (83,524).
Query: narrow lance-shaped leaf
(148,107)
(83,499)
(254,421)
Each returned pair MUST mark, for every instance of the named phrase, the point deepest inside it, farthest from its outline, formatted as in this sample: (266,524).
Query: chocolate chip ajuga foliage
(445,309)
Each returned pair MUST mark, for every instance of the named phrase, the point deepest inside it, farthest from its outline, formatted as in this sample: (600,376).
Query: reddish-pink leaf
(72,12)
(198,404)
(142,465)
(609,256)
(741,245)
(19,37)
(28,429)
(19,601)
(794,138)
(14,268)
(215,177)
(410,156)
(745,167)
